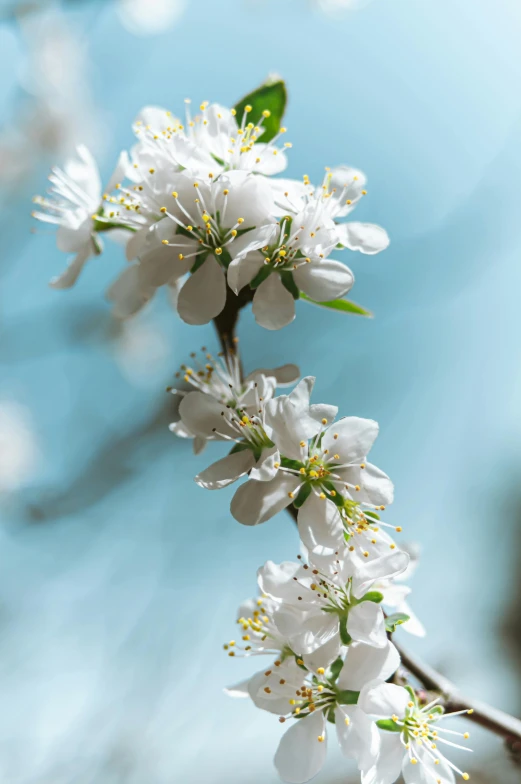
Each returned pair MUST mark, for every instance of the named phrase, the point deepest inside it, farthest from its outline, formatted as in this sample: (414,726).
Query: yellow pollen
(291,495)
(165,242)
(276,465)
(218,251)
(410,704)
(302,470)
(398,529)
(324,421)
(466,735)
(414,761)
(266,113)
(175,194)
(392,546)
(248,108)
(151,171)
(357,488)
(180,257)
(364,193)
(321,670)
(233,232)
(466,777)
(320,738)
(300,661)
(322,496)
(240,220)
(366,554)
(346,721)
(189,228)
(470,712)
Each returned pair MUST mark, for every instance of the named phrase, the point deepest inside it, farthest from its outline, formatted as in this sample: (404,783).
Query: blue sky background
(119,577)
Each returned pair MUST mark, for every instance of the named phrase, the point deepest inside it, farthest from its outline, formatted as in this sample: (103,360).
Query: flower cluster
(199,208)
(321,618)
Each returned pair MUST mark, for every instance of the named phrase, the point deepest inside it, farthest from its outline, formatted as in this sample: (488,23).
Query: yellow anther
(180,256)
(324,421)
(276,465)
(322,496)
(240,220)
(283,130)
(410,704)
(196,184)
(414,761)
(470,712)
(346,721)
(218,251)
(233,232)
(302,470)
(266,113)
(300,661)
(164,242)
(313,474)
(189,228)
(466,735)
(175,194)
(392,546)
(364,193)
(321,670)
(248,108)
(233,112)
(320,738)
(357,488)
(366,554)
(466,777)
(151,171)
(246,637)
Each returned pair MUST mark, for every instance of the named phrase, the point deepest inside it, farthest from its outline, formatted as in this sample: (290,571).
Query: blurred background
(119,577)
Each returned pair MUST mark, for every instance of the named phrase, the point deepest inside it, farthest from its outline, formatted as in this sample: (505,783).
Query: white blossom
(73,205)
(220,378)
(306,690)
(186,225)
(341,190)
(413,742)
(293,251)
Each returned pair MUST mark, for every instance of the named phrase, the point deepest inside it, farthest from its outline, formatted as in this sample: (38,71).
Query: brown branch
(492,719)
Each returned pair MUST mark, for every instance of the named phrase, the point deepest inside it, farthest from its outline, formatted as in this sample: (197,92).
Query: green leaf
(389,725)
(286,462)
(373,596)
(347,697)
(303,495)
(344,634)
(270,96)
(289,283)
(392,621)
(342,305)
(261,276)
(336,669)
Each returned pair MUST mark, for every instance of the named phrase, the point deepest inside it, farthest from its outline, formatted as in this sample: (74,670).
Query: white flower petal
(324,655)
(386,566)
(69,277)
(324,280)
(355,437)
(242,271)
(204,293)
(127,292)
(384,700)
(320,524)
(273,305)
(238,689)
(300,754)
(364,663)
(365,237)
(277,579)
(202,415)
(366,623)
(266,468)
(255,502)
(227,470)
(359,738)
(388,763)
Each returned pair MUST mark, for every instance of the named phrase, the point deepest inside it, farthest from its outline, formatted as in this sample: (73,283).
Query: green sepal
(331,716)
(389,725)
(411,691)
(224,259)
(302,496)
(289,283)
(336,669)
(341,305)
(373,596)
(264,272)
(270,96)
(371,514)
(302,666)
(347,697)
(286,462)
(344,634)
(201,258)
(333,494)
(240,447)
(395,620)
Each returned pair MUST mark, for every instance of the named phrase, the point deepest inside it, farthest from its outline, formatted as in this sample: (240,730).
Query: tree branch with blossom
(207,215)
